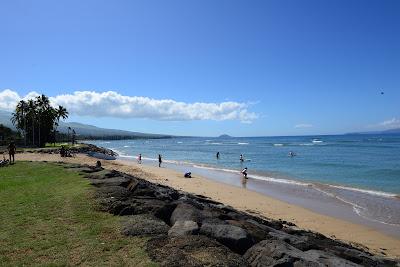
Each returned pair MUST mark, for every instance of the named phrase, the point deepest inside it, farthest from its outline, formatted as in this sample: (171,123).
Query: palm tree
(69,129)
(31,114)
(60,113)
(19,117)
(38,116)
(73,136)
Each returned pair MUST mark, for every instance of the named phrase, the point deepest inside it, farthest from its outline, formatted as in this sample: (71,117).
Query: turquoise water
(370,162)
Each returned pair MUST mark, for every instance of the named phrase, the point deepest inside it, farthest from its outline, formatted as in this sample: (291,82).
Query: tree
(20,117)
(38,119)
(7,135)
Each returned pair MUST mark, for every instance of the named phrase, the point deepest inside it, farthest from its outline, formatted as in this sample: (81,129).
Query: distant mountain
(86,130)
(5,119)
(390,131)
(90,130)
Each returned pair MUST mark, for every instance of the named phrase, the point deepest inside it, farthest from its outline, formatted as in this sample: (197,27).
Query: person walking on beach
(139,159)
(159,160)
(217,155)
(11,151)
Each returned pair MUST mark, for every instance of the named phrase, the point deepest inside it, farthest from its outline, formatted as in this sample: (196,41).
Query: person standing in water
(139,159)
(244,172)
(159,160)
(11,151)
(241,158)
(217,155)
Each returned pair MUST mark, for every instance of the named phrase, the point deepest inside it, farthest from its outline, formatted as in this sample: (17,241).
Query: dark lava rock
(158,208)
(256,231)
(327,259)
(208,233)
(361,257)
(280,253)
(232,236)
(104,174)
(185,212)
(113,192)
(114,181)
(182,228)
(299,242)
(192,251)
(143,225)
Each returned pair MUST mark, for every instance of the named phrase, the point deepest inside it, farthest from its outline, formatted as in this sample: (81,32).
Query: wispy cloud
(303,125)
(391,123)
(113,104)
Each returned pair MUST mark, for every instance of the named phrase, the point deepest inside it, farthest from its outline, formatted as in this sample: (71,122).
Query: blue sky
(320,65)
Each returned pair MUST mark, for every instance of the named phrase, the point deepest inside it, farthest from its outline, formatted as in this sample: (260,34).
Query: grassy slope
(48,217)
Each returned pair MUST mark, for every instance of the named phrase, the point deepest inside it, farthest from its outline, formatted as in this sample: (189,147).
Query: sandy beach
(246,200)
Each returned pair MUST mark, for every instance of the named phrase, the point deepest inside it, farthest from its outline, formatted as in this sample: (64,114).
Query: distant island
(224,136)
(390,131)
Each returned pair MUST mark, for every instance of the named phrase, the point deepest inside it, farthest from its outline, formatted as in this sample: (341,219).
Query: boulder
(192,251)
(299,242)
(143,225)
(360,257)
(112,205)
(114,181)
(276,253)
(185,212)
(234,237)
(182,228)
(280,253)
(113,192)
(103,174)
(158,208)
(256,231)
(327,259)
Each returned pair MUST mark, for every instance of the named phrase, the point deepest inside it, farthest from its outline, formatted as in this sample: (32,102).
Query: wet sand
(249,201)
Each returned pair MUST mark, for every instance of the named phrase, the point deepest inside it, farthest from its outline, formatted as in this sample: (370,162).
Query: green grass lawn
(48,217)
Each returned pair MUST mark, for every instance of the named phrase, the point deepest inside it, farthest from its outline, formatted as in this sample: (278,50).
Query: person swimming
(292,154)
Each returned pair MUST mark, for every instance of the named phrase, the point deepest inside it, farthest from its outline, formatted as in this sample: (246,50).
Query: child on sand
(139,159)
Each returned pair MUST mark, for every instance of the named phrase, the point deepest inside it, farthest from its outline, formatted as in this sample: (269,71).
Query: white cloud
(303,125)
(391,123)
(8,99)
(113,104)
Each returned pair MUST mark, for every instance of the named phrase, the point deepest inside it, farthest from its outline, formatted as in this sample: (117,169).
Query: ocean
(361,172)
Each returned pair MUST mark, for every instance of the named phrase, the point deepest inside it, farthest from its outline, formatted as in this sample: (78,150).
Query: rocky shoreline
(192,230)
(85,148)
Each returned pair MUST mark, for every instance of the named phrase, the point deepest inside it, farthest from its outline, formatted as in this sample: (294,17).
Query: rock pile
(192,230)
(86,148)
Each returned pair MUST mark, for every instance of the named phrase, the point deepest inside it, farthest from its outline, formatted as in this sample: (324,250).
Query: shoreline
(249,201)
(350,204)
